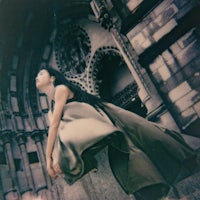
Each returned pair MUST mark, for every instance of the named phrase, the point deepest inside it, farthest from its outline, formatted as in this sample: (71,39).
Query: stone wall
(174,66)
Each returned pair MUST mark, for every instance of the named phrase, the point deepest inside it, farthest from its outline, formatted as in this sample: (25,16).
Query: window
(3,160)
(33,157)
(18,164)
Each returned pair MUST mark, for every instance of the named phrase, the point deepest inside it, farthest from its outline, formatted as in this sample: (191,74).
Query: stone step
(193,196)
(186,189)
(192,141)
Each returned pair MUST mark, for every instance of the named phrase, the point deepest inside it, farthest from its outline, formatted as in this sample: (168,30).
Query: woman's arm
(49,115)
(62,93)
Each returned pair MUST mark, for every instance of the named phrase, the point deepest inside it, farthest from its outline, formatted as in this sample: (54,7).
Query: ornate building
(141,55)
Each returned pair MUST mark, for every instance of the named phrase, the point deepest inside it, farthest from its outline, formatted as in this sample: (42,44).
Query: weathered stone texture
(179,91)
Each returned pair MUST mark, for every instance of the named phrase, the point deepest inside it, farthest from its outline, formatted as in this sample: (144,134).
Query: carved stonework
(72,50)
(97,65)
(128,94)
(101,13)
(105,63)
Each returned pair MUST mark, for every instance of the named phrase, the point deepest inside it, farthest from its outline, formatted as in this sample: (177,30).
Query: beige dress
(141,153)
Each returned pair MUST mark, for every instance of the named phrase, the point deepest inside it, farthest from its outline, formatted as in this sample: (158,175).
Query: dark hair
(80,95)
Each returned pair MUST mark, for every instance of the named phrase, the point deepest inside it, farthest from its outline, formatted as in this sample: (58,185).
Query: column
(37,137)
(28,182)
(8,175)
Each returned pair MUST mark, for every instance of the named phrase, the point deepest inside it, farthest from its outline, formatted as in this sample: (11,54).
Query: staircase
(186,189)
(188,186)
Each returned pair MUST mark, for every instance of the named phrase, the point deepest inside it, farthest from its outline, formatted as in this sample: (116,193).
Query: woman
(144,157)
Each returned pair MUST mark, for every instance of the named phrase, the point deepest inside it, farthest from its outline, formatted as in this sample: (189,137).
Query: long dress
(141,153)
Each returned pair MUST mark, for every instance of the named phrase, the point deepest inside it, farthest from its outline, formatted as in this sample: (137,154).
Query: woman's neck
(49,91)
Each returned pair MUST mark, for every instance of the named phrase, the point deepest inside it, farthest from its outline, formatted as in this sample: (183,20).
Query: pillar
(28,182)
(8,175)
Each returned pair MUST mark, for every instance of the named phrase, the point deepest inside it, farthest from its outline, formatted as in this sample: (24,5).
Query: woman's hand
(50,168)
(57,169)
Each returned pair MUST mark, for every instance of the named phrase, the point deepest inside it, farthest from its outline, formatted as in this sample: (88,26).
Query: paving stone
(189,185)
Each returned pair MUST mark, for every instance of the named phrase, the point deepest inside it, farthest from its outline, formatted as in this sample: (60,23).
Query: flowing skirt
(141,153)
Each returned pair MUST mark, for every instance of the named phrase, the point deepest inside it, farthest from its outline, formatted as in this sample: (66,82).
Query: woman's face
(43,79)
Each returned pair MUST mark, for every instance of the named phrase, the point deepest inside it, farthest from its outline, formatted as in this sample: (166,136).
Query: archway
(114,81)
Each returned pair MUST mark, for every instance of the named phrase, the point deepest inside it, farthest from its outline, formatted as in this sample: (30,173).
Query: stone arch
(97,66)
(112,81)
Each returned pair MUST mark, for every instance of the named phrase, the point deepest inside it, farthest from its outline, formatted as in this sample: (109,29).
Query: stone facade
(174,68)
(136,54)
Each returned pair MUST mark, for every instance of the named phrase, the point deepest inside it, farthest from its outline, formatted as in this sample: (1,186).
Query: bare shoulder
(63,89)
